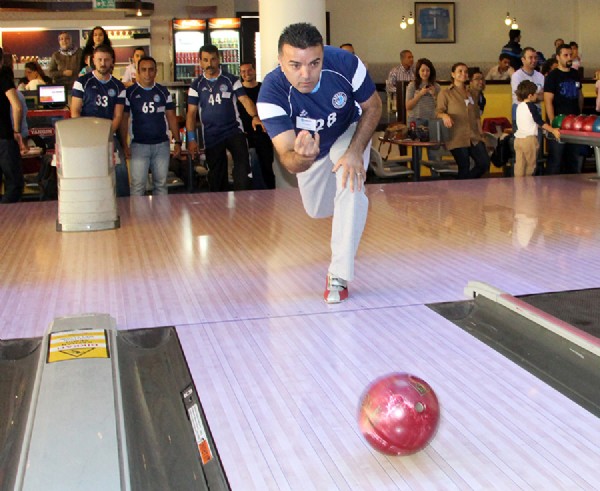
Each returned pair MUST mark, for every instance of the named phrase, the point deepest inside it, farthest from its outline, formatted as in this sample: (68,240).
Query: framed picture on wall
(434,22)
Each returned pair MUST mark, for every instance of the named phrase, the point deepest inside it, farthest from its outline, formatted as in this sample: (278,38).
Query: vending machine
(188,38)
(225,35)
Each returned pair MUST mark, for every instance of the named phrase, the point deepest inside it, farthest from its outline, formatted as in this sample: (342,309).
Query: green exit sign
(104,4)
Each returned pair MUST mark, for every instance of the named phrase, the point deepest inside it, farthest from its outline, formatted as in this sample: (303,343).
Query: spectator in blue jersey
(215,92)
(99,94)
(152,114)
(320,108)
(513,48)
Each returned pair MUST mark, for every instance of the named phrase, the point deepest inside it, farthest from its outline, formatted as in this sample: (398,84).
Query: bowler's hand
(353,168)
(306,145)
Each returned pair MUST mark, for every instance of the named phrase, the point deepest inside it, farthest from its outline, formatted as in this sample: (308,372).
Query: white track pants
(323,196)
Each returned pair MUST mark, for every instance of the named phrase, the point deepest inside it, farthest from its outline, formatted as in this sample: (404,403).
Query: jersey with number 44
(329,110)
(99,96)
(216,101)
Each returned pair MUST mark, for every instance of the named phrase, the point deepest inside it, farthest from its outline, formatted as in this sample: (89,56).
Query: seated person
(35,75)
(502,71)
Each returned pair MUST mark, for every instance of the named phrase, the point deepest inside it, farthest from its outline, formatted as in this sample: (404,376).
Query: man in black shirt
(563,95)
(11,142)
(257,139)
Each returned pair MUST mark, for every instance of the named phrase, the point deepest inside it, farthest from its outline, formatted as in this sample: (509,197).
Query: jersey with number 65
(99,96)
(148,107)
(216,101)
(329,110)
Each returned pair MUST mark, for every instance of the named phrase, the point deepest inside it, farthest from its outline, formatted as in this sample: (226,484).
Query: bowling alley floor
(280,373)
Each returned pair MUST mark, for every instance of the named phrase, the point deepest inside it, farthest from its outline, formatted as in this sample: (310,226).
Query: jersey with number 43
(148,107)
(99,96)
(216,101)
(328,110)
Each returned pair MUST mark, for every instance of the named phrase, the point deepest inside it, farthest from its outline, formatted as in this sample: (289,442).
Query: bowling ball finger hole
(419,407)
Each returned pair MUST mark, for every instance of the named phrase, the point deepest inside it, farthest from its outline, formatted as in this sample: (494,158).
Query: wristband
(177,142)
(191,136)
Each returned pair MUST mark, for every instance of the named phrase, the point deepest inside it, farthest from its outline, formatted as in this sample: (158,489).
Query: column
(275,15)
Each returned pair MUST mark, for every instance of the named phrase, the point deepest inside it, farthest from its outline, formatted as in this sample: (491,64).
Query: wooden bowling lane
(185,259)
(282,397)
(280,373)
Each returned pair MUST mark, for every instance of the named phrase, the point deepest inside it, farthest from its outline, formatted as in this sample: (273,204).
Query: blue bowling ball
(596,125)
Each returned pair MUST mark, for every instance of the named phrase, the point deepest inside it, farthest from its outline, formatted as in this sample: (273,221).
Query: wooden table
(416,153)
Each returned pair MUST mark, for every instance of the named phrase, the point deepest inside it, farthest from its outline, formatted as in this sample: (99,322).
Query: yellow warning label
(73,345)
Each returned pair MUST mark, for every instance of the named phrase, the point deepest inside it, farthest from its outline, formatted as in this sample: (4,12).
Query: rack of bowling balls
(580,129)
(584,127)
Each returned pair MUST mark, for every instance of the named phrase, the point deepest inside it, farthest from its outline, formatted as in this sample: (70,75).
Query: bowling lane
(281,397)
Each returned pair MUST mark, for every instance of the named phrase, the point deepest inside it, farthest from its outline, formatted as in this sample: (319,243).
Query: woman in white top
(421,98)
(35,75)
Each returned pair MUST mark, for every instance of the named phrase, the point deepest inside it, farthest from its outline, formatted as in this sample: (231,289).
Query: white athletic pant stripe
(323,196)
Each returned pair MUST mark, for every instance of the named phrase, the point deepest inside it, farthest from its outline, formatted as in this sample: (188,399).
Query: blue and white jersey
(99,96)
(148,108)
(329,110)
(216,101)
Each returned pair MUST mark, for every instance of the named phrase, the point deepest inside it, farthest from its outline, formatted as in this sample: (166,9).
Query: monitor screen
(52,96)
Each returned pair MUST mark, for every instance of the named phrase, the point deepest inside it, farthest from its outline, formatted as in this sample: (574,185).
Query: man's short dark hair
(302,35)
(146,58)
(346,44)
(104,48)
(209,48)
(573,44)
(561,47)
(525,50)
(249,62)
(504,56)
(514,34)
(525,89)
(139,48)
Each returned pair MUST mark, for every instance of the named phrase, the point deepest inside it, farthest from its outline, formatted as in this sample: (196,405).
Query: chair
(384,170)
(442,167)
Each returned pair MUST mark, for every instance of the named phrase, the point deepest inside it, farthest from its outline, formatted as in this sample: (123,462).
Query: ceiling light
(403,23)
(507,21)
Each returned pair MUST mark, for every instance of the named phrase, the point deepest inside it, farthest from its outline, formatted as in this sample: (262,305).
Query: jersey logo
(112,92)
(339,100)
(156,98)
(223,87)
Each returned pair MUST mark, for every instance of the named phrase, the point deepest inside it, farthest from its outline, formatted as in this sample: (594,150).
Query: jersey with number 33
(328,110)
(99,96)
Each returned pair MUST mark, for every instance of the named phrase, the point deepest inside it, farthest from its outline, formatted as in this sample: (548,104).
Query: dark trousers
(12,169)
(121,172)
(216,160)
(260,141)
(566,158)
(478,153)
